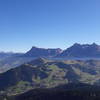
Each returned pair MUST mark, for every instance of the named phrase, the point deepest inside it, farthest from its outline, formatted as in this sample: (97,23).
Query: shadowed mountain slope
(43,73)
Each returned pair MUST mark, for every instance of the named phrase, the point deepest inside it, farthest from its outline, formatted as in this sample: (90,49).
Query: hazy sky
(48,23)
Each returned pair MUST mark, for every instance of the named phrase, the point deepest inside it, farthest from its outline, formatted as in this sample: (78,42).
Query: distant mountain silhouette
(41,52)
(85,50)
(4,55)
(78,51)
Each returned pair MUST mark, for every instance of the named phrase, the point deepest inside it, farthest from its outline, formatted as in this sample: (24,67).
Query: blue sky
(48,23)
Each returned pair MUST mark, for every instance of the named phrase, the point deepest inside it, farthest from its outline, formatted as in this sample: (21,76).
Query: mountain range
(41,52)
(77,51)
(85,50)
(4,55)
(50,72)
(44,73)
